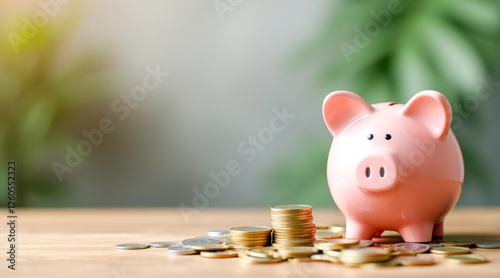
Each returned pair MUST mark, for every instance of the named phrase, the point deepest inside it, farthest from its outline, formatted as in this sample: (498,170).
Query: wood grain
(81,243)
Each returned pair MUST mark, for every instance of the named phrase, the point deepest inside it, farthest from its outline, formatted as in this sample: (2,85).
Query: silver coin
(409,246)
(202,240)
(488,245)
(291,207)
(216,233)
(165,244)
(181,250)
(132,246)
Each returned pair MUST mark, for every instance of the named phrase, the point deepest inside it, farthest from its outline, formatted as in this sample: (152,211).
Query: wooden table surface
(81,243)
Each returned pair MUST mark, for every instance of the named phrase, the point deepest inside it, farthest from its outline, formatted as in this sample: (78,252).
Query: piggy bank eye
(388,137)
(370,136)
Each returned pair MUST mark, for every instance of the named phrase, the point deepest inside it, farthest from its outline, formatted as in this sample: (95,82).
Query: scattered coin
(465,259)
(416,260)
(219,254)
(165,244)
(411,247)
(210,247)
(264,252)
(488,245)
(450,250)
(297,239)
(365,243)
(332,253)
(132,246)
(202,240)
(327,235)
(364,255)
(463,243)
(181,250)
(336,244)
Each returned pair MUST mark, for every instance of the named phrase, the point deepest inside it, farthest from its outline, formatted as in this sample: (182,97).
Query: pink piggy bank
(393,166)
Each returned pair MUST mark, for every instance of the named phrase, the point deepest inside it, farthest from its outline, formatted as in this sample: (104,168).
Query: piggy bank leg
(438,229)
(360,231)
(417,233)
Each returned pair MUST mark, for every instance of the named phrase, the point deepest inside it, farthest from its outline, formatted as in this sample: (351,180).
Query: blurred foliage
(388,50)
(40,95)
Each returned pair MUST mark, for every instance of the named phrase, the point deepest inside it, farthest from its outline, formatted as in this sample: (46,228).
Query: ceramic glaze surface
(393,166)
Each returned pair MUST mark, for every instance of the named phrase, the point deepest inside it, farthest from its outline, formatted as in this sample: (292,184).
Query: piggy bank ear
(433,110)
(342,108)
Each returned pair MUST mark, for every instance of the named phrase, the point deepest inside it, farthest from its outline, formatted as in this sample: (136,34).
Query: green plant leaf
(453,55)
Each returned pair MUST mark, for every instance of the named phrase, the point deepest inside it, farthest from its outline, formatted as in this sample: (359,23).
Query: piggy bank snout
(376,172)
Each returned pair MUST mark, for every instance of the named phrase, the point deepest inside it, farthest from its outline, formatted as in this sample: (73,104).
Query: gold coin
(465,259)
(263,252)
(337,244)
(219,254)
(459,243)
(450,250)
(328,235)
(210,247)
(417,260)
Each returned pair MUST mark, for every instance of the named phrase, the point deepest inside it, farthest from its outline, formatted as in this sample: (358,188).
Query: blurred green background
(233,67)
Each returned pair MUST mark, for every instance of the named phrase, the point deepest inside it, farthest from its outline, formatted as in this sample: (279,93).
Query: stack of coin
(250,236)
(292,225)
